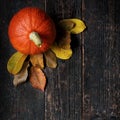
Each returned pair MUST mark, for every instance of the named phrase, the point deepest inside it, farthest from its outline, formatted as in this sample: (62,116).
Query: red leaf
(37,78)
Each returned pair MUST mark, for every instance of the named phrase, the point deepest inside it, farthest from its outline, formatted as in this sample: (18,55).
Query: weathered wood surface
(86,87)
(101,96)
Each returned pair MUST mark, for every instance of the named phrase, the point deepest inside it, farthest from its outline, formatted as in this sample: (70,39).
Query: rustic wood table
(85,87)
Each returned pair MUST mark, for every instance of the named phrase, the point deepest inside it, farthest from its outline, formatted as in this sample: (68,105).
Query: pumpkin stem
(34,36)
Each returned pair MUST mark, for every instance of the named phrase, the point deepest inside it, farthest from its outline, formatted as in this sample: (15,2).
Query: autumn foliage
(33,34)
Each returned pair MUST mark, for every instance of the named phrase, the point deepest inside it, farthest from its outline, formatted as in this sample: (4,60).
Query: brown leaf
(37,78)
(64,40)
(66,25)
(50,59)
(21,77)
(37,60)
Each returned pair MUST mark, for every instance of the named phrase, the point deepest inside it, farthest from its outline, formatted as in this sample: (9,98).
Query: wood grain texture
(101,94)
(86,87)
(63,92)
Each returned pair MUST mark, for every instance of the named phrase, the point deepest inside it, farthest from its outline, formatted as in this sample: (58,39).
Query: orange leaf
(37,78)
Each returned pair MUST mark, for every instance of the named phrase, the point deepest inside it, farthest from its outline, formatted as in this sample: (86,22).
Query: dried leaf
(64,40)
(76,28)
(50,59)
(67,25)
(21,77)
(37,78)
(15,62)
(37,60)
(60,52)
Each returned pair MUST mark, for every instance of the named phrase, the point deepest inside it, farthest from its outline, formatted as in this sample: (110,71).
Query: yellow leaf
(78,26)
(15,62)
(60,52)
(37,60)
(50,59)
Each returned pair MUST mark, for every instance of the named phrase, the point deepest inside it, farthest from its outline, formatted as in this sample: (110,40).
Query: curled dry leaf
(50,59)
(37,60)
(37,78)
(15,62)
(21,77)
(75,28)
(60,52)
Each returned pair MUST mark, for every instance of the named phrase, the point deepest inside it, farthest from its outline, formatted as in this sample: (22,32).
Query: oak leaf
(21,77)
(15,62)
(37,78)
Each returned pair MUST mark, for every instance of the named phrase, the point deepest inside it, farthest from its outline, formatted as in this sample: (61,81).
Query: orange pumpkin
(31,31)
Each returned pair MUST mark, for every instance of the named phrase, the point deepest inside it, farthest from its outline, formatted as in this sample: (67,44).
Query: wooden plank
(63,92)
(23,102)
(101,94)
(72,93)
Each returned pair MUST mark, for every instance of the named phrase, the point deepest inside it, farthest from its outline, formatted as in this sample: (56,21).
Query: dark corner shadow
(75,41)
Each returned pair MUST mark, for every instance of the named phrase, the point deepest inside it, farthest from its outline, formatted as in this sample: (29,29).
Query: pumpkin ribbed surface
(29,20)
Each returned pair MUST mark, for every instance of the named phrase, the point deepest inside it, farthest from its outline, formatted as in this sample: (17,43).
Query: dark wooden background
(86,87)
